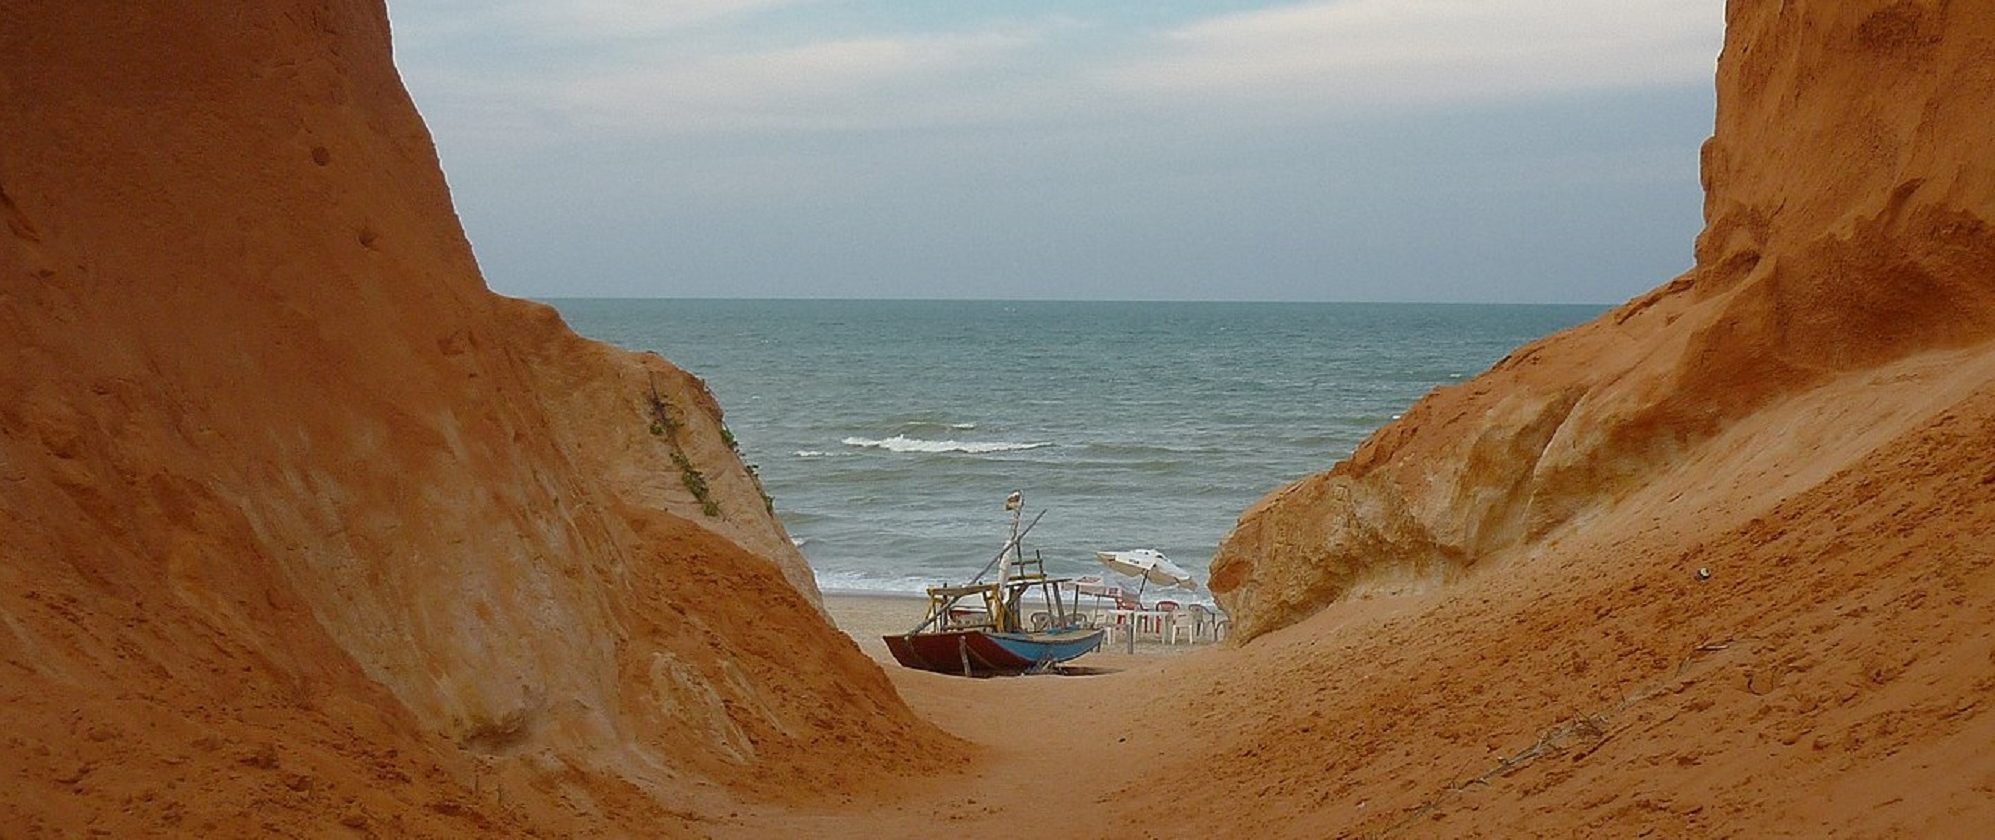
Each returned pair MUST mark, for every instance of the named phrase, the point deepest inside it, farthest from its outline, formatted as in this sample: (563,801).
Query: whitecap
(903,443)
(872,583)
(813,453)
(934,425)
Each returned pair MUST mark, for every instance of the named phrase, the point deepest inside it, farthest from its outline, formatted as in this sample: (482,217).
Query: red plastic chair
(1126,623)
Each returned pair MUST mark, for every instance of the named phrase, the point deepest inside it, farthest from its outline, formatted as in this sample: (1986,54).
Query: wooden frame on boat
(991,639)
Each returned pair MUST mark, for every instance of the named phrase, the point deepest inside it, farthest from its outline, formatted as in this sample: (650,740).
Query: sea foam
(903,443)
(933,425)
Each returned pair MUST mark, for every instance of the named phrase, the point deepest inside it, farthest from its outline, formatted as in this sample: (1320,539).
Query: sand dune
(308,533)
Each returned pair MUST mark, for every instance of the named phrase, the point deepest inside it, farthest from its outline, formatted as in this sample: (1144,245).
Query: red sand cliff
(304,526)
(1808,416)
(1849,187)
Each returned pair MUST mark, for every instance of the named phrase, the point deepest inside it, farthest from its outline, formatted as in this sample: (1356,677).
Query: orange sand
(309,534)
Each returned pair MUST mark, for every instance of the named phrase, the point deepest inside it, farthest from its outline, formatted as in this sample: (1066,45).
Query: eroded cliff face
(1849,189)
(303,524)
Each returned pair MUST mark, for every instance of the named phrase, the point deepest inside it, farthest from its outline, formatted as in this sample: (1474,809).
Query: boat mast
(1016,504)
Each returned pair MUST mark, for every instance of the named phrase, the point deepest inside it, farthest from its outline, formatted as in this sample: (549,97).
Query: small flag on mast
(1013,501)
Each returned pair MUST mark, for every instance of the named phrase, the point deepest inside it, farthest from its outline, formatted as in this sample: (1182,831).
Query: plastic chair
(1203,622)
(1127,623)
(1169,625)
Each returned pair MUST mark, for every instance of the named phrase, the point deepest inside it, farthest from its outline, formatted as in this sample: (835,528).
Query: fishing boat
(978,629)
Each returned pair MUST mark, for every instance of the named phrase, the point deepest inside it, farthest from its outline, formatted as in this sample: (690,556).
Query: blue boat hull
(1047,649)
(982,653)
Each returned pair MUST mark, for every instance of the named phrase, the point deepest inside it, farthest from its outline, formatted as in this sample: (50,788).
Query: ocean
(890,432)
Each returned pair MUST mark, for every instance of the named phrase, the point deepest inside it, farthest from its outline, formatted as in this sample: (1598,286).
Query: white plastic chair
(1203,623)
(1181,628)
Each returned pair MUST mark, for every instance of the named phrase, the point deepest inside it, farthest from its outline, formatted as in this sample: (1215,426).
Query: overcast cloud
(1473,150)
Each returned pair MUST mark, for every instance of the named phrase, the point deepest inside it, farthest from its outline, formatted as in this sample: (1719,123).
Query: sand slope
(305,526)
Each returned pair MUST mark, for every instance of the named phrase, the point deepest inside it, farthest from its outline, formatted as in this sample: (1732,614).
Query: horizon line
(773,299)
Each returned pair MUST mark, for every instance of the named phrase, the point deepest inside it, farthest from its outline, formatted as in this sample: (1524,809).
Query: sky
(1526,151)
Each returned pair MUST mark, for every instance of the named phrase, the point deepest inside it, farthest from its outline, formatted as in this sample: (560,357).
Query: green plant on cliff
(755,473)
(665,425)
(695,482)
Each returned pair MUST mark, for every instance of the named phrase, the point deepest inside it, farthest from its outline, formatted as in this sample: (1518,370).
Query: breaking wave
(903,443)
(934,426)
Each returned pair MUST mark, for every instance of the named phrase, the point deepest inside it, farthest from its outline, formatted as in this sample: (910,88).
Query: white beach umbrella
(1152,567)
(1149,564)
